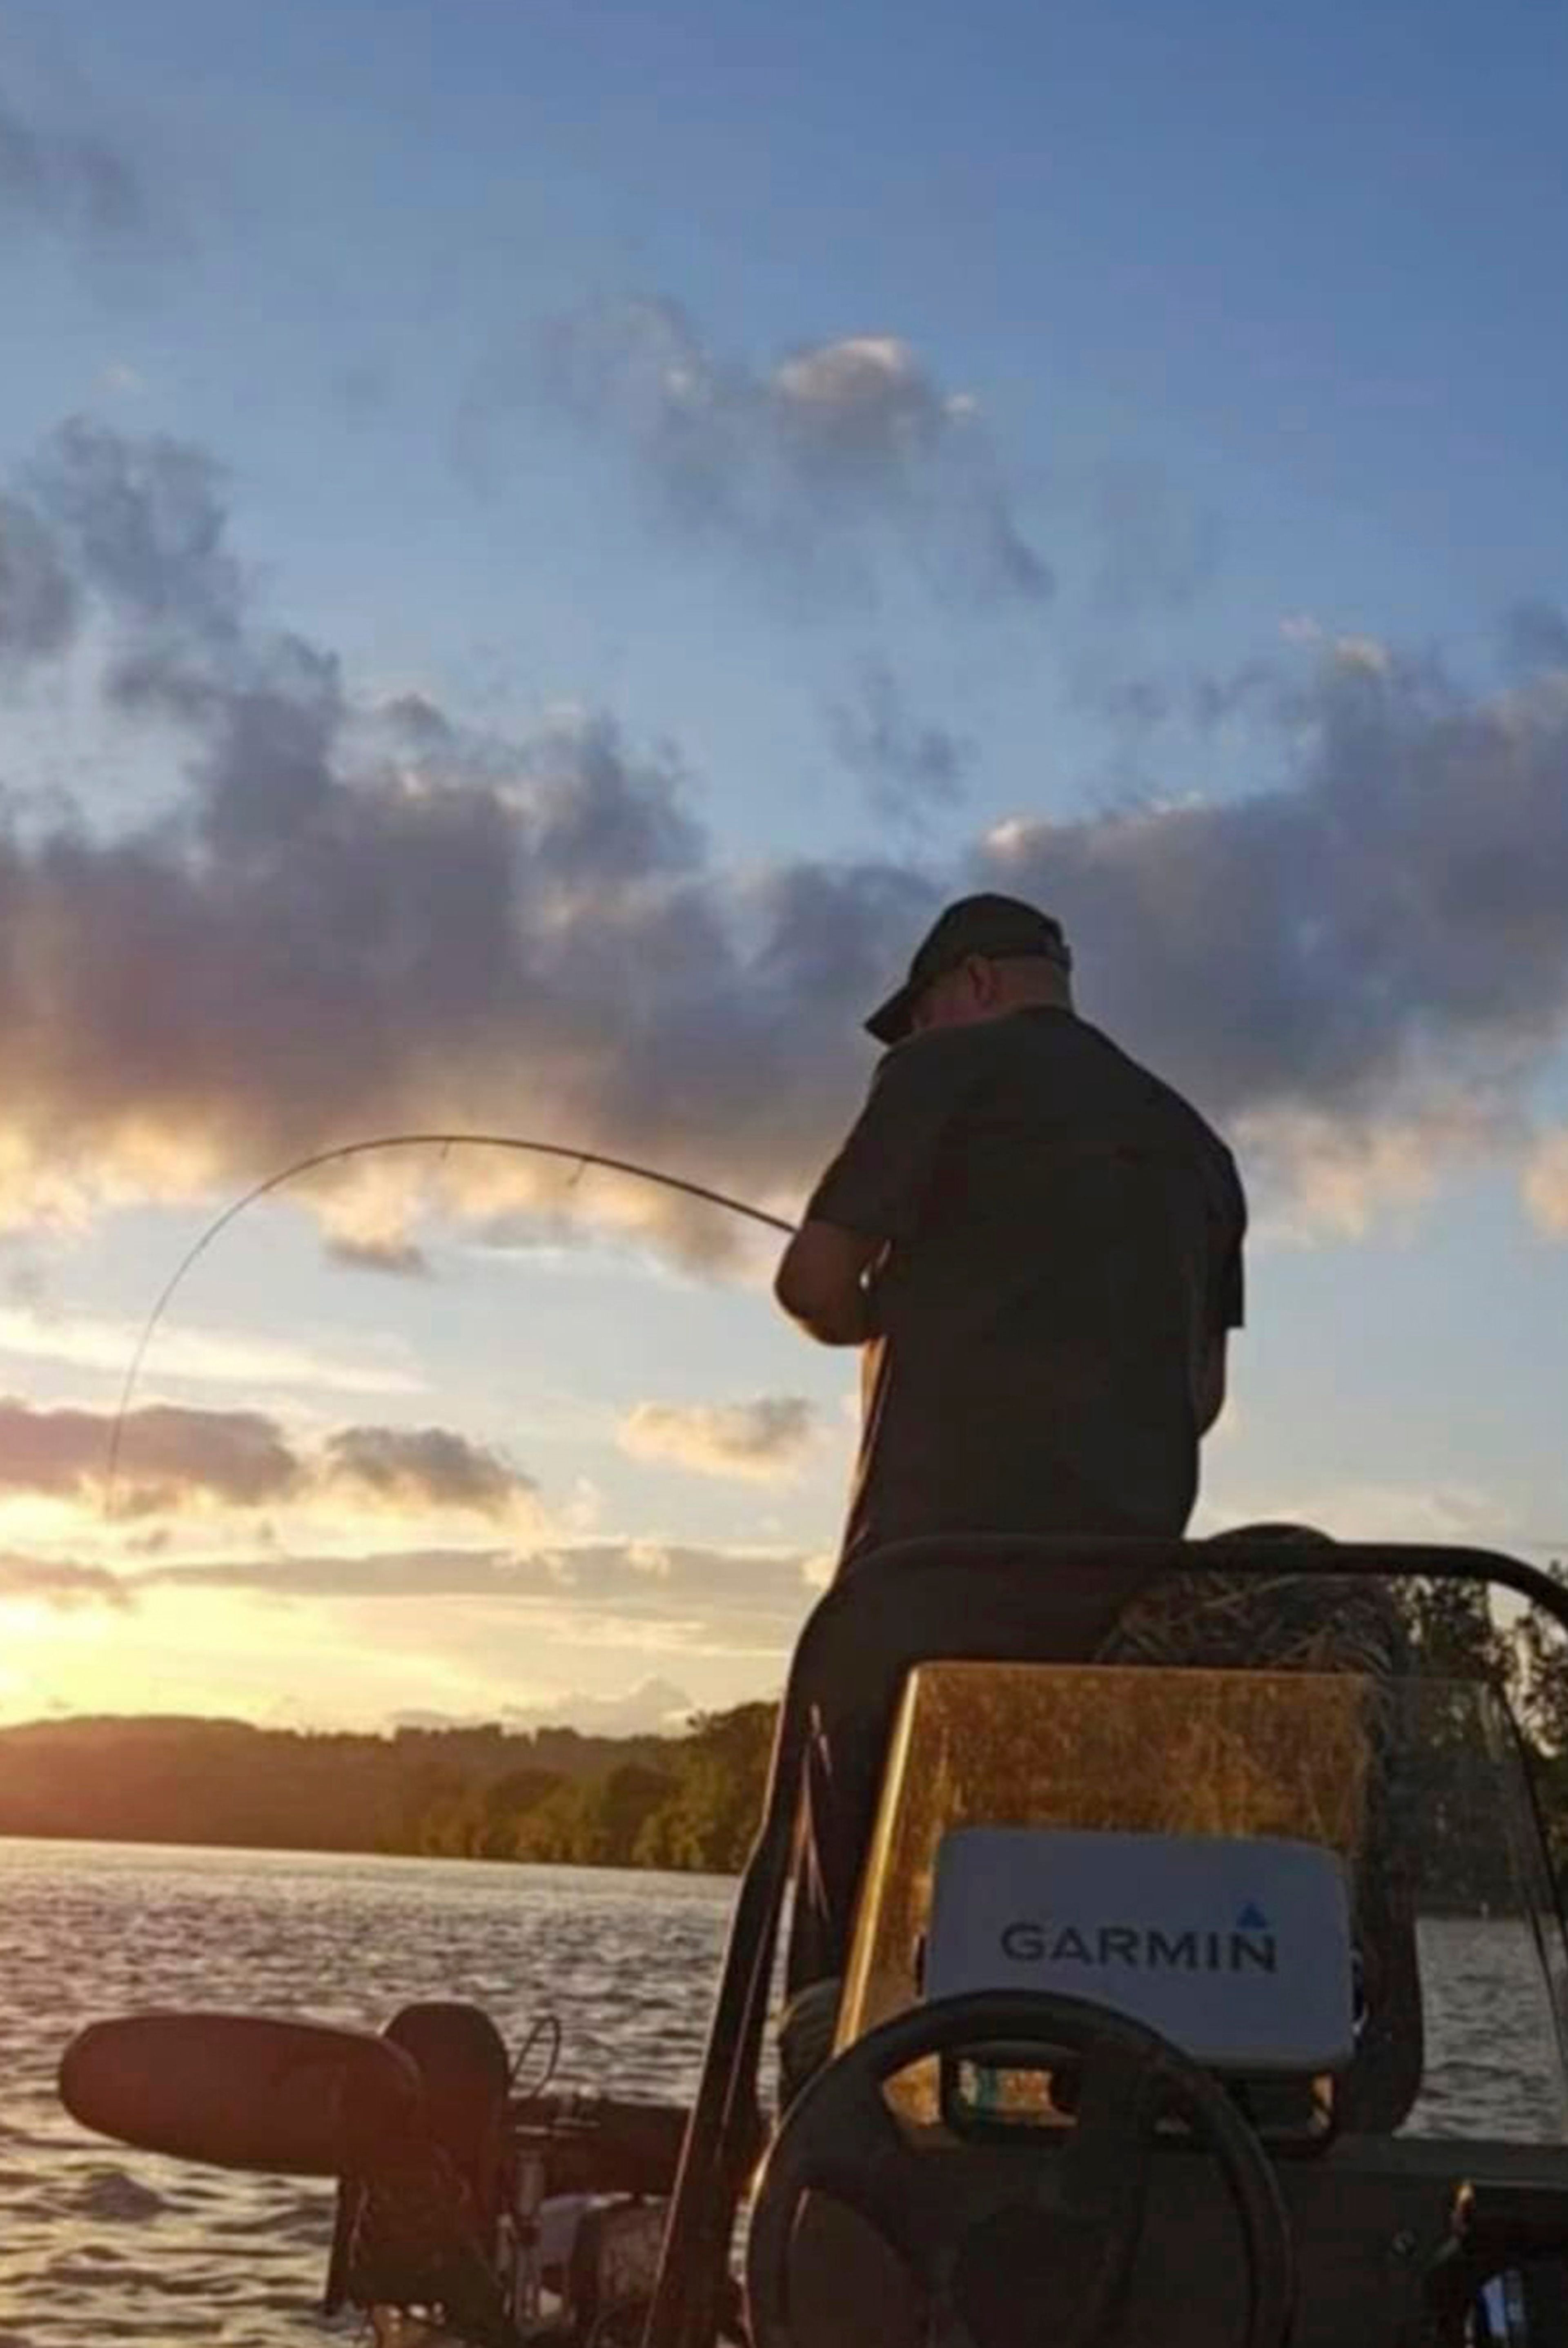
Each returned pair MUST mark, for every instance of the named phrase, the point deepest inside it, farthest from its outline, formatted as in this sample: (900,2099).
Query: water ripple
(124,2246)
(120,2247)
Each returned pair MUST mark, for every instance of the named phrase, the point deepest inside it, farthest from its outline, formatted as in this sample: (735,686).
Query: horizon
(673,1721)
(533,556)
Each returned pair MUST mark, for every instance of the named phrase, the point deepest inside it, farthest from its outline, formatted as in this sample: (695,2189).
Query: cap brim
(890,1024)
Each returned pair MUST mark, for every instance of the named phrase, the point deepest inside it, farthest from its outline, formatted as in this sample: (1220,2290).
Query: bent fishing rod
(348,1150)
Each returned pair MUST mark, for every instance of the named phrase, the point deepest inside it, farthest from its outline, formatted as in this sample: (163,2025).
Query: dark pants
(844,1761)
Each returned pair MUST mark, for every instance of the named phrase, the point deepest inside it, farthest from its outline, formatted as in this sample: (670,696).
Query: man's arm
(868,1201)
(820,1282)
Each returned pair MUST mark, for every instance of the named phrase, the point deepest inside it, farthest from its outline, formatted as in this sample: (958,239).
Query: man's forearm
(821,1282)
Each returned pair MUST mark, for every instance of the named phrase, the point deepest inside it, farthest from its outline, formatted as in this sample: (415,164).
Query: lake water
(99,2244)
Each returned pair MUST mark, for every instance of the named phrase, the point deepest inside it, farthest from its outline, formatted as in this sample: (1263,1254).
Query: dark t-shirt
(1067,1238)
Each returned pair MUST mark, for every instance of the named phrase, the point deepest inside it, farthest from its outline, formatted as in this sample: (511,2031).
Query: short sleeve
(879,1180)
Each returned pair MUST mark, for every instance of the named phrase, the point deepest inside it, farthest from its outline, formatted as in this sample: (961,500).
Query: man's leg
(838,1811)
(843,1770)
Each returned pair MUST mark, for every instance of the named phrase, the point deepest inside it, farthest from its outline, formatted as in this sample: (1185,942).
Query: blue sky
(799,462)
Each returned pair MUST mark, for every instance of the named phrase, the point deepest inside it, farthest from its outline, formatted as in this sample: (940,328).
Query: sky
(538,547)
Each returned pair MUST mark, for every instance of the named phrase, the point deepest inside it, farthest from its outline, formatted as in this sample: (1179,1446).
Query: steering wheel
(958,2216)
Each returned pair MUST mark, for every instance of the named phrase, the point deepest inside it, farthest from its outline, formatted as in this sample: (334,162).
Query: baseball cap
(973,925)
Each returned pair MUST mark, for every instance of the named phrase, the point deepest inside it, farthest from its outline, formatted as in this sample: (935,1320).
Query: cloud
(670,1598)
(78,181)
(413,1573)
(1261,694)
(216,1356)
(764,1439)
(1377,947)
(909,771)
(60,1584)
(412,1468)
(820,464)
(402,1258)
(144,517)
(1536,636)
(1455,1513)
(170,1457)
(355,918)
(38,602)
(655,1707)
(174,1460)
(350,924)
(1546,1183)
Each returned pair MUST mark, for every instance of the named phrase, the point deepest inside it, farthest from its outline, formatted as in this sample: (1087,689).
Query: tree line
(686,1802)
(693,1804)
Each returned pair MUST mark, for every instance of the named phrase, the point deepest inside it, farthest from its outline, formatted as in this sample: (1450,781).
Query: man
(1039,1245)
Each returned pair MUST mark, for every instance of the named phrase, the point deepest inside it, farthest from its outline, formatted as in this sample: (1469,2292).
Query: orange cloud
(764,1439)
(61,1584)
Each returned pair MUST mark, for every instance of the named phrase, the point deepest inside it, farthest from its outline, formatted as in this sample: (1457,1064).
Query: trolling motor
(424,2218)
(409,2121)
(519,2215)
(509,2217)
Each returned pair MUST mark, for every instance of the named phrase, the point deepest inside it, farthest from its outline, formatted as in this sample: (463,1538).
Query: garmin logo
(1248,1946)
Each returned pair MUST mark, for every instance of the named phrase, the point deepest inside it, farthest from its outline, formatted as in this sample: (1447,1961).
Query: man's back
(1065,1244)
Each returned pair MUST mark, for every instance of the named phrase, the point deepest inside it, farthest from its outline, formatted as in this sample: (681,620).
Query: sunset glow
(515,608)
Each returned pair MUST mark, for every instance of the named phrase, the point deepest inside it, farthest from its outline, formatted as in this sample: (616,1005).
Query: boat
(1143,2033)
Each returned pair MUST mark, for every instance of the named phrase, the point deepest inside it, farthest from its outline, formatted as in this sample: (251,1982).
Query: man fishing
(1038,1246)
(1036,1243)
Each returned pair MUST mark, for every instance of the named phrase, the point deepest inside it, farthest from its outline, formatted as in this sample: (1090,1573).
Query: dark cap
(974,925)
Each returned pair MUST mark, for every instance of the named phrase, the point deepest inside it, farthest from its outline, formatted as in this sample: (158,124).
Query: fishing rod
(1554,1546)
(346,1149)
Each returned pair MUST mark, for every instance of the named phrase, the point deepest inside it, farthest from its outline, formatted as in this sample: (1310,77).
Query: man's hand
(820,1282)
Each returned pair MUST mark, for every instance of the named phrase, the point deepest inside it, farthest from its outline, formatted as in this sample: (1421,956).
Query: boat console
(1184,2003)
(1220,1857)
(1198,1993)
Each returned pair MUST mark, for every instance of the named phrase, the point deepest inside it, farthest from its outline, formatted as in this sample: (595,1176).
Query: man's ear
(984,980)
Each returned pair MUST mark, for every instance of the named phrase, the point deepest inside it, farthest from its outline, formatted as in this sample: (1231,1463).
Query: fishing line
(442,1141)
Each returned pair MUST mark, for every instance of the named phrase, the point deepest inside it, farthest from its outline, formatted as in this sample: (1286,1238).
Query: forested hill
(686,1801)
(547,1794)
